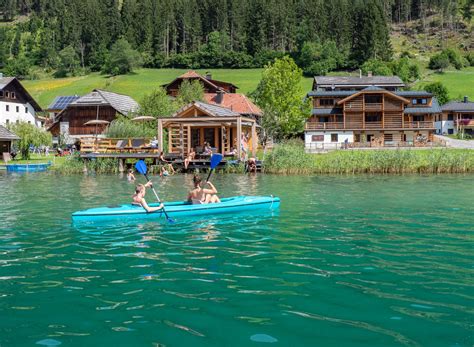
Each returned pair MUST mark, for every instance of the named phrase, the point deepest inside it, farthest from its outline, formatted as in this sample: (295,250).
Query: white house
(456,115)
(16,104)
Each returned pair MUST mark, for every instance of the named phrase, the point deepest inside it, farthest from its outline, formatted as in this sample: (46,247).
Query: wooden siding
(77,116)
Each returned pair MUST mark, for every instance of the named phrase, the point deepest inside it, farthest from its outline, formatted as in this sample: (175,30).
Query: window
(317,138)
(13,96)
(334,137)
(323,119)
(373,99)
(419,101)
(450,117)
(18,109)
(326,102)
(419,118)
(1,93)
(29,122)
(7,121)
(450,131)
(373,117)
(26,109)
(17,121)
(7,107)
(7,94)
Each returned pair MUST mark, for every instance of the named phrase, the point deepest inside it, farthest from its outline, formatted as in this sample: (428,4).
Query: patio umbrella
(96,122)
(143,118)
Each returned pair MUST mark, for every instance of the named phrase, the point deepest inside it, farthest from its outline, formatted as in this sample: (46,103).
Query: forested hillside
(321,35)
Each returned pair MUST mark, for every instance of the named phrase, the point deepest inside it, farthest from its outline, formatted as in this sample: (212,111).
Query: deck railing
(389,124)
(122,145)
(318,147)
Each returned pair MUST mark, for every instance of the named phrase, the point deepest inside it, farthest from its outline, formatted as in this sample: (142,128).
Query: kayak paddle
(216,158)
(141,168)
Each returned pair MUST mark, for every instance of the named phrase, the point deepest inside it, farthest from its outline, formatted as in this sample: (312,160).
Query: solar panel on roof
(61,102)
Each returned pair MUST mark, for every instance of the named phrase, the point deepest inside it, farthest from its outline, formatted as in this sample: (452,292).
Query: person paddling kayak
(139,197)
(200,195)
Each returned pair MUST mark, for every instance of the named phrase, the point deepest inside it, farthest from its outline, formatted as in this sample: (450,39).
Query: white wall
(12,115)
(443,126)
(342,136)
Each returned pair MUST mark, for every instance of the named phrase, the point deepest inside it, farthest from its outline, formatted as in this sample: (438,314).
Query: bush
(123,127)
(439,90)
(122,59)
(377,67)
(439,61)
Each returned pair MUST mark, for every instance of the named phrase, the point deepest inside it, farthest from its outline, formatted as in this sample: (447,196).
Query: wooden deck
(177,162)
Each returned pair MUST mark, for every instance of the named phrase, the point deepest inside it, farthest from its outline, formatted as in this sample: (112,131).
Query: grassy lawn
(37,159)
(458,82)
(139,83)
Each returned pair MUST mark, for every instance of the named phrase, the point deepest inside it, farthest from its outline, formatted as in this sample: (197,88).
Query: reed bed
(75,164)
(291,158)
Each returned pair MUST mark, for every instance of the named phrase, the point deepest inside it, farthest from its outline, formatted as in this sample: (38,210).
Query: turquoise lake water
(348,261)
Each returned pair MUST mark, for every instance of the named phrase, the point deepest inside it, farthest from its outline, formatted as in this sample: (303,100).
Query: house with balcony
(352,112)
(456,116)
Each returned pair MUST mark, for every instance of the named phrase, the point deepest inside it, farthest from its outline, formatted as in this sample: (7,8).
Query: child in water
(130,176)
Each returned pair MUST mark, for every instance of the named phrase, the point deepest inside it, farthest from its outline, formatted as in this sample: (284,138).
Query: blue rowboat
(180,209)
(28,167)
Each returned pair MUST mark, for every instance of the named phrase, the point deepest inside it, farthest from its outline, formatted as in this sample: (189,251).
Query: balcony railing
(324,126)
(368,125)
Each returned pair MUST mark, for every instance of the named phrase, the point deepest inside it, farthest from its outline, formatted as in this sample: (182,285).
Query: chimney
(219,96)
(369,73)
(360,73)
(208,75)
(466,99)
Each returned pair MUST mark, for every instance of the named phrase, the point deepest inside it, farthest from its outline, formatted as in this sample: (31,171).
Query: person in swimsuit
(200,195)
(189,157)
(139,197)
(130,176)
(166,163)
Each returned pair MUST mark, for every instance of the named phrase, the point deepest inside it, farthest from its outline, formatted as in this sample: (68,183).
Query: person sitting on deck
(189,157)
(207,149)
(130,176)
(139,197)
(166,163)
(200,195)
(154,143)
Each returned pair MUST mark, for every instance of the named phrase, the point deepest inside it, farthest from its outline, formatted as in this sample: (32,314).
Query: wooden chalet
(372,117)
(99,104)
(456,115)
(199,122)
(210,85)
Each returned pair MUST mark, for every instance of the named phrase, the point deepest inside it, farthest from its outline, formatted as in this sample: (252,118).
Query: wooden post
(121,165)
(254,139)
(239,137)
(181,138)
(189,137)
(160,135)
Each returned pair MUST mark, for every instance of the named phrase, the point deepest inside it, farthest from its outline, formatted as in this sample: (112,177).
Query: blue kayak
(180,209)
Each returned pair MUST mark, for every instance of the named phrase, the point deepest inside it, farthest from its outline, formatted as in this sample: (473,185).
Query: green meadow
(459,82)
(138,83)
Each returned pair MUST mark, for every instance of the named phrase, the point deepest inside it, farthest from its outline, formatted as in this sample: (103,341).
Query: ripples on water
(349,261)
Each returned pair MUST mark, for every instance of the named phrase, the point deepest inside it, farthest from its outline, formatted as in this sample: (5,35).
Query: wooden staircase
(178,139)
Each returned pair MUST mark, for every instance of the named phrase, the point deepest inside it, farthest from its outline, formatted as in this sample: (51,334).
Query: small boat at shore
(28,167)
(179,209)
